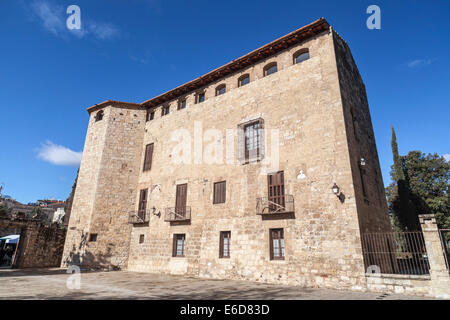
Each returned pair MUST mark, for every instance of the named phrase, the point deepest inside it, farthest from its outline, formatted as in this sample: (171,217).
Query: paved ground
(51,284)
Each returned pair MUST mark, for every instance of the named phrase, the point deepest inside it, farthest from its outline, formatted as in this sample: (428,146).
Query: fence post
(440,279)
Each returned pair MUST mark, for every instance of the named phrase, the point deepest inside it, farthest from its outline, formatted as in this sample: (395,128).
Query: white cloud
(50,16)
(446,156)
(419,63)
(103,31)
(59,155)
(53,18)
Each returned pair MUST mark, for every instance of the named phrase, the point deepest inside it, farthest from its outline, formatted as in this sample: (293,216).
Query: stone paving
(51,284)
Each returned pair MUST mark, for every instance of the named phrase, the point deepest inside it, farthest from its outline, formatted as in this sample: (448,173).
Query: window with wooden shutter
(275,188)
(148,158)
(179,245)
(181,200)
(219,192)
(276,244)
(142,204)
(225,244)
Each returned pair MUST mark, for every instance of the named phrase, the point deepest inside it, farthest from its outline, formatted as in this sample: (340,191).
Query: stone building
(264,169)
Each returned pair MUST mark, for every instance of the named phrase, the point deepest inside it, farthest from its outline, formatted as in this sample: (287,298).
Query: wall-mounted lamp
(362,162)
(156,214)
(338,194)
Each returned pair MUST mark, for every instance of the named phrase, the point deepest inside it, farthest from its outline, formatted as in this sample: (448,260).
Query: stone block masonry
(319,108)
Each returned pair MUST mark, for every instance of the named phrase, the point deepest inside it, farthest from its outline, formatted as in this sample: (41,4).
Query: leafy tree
(428,180)
(420,186)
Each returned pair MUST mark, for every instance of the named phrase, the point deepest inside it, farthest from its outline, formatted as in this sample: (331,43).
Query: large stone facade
(316,115)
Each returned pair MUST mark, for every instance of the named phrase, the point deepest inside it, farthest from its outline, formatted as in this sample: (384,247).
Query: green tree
(402,210)
(420,185)
(428,181)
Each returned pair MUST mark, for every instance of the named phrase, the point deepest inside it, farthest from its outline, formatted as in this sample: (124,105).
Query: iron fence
(445,240)
(396,253)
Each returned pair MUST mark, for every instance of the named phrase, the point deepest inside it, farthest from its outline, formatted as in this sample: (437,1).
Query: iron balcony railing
(140,216)
(281,204)
(395,253)
(177,214)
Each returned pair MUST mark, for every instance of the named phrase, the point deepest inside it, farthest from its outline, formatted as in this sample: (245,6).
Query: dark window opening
(181,104)
(275,183)
(165,110)
(179,245)
(276,244)
(93,237)
(150,115)
(225,244)
(221,89)
(301,56)
(200,97)
(141,238)
(270,69)
(99,116)
(181,200)
(363,183)
(142,204)
(243,80)
(219,192)
(148,159)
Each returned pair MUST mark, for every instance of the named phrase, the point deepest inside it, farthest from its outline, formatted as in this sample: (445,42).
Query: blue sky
(132,50)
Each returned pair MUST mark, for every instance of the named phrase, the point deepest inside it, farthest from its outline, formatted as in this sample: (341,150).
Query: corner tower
(98,233)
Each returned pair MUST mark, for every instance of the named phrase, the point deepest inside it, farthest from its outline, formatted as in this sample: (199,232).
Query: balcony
(177,214)
(139,217)
(279,205)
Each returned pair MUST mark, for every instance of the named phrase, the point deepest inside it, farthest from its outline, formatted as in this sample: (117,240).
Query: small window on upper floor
(301,56)
(270,68)
(243,80)
(221,89)
(181,104)
(200,97)
(165,110)
(99,116)
(150,115)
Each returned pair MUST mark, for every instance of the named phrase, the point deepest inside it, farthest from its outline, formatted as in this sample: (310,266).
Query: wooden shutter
(275,183)
(271,243)
(174,246)
(148,157)
(219,192)
(181,198)
(142,203)
(221,245)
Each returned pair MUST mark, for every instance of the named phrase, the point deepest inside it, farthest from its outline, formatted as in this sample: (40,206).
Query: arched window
(243,80)
(221,89)
(301,55)
(270,68)
(99,116)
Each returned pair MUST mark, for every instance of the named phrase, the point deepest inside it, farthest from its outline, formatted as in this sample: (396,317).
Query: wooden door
(276,190)
(181,198)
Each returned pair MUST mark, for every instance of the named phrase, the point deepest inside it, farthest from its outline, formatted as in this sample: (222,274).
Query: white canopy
(11,239)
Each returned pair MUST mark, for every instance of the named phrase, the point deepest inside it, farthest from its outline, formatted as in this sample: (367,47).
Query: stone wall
(106,188)
(40,246)
(322,239)
(307,105)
